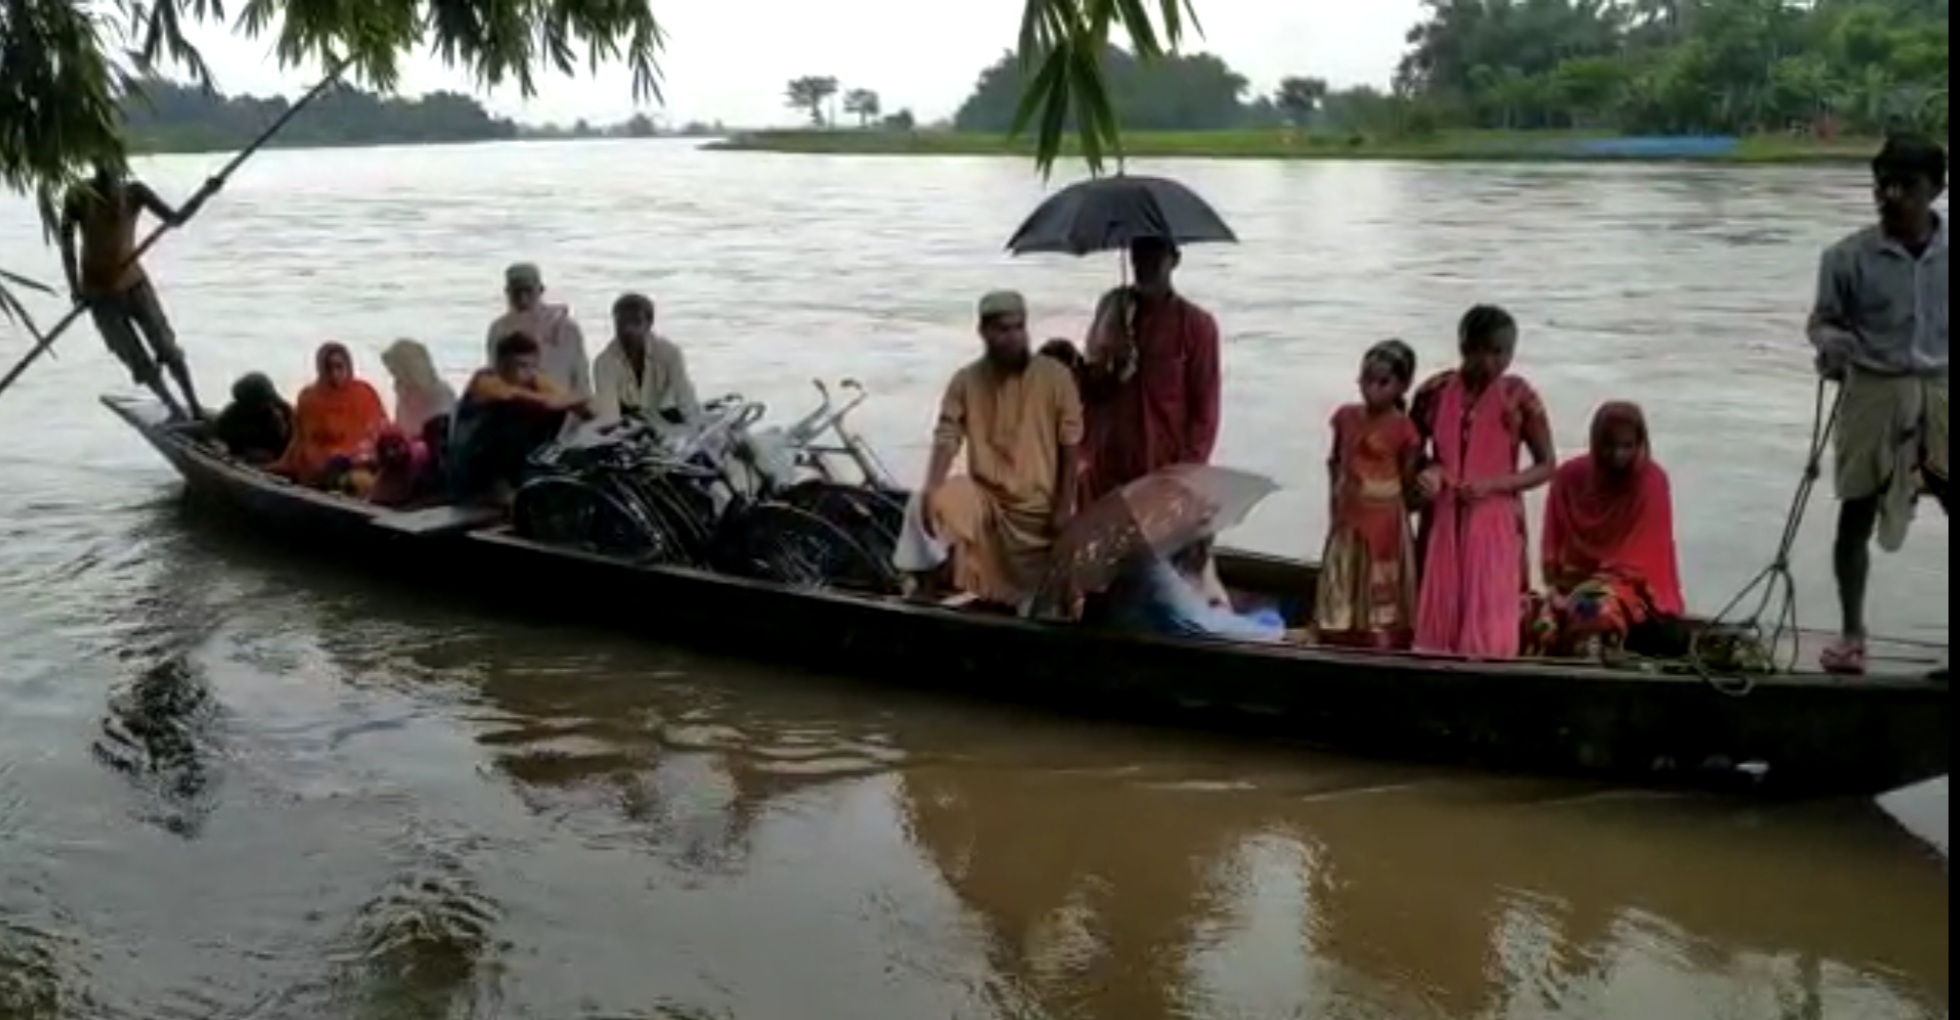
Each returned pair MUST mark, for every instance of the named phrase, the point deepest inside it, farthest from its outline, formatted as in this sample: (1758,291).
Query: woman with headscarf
(1610,560)
(257,426)
(420,393)
(335,424)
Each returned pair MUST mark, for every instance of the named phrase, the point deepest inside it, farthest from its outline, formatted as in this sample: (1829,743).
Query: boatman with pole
(1880,329)
(106,276)
(105,213)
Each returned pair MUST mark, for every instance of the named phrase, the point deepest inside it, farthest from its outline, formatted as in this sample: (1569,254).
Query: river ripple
(234,786)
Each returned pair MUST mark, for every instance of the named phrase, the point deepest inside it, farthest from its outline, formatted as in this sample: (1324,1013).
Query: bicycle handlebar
(828,415)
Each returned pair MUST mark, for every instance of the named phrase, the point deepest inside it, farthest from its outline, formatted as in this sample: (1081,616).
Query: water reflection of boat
(1814,733)
(1105,891)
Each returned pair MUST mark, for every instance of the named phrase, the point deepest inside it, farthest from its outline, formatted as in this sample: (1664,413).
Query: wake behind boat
(1652,723)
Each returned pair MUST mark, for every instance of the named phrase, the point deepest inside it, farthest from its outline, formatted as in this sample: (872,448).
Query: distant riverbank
(190,145)
(1507,146)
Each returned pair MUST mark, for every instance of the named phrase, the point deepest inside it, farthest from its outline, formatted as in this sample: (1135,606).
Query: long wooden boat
(1797,734)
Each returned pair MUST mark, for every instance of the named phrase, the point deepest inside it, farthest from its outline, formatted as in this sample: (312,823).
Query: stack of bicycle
(810,505)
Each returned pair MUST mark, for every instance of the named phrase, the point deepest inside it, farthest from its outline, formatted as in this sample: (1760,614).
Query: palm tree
(809,94)
(864,105)
(70,64)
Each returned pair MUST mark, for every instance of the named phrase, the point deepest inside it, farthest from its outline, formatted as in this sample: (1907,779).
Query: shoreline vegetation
(1734,81)
(1289,145)
(167,118)
(1714,81)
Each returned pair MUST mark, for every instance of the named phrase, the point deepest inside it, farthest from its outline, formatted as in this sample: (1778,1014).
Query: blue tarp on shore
(1710,147)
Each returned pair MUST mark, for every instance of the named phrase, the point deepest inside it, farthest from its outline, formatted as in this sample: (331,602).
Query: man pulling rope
(1880,329)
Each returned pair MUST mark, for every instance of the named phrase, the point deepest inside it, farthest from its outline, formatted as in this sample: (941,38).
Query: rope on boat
(45,342)
(1776,587)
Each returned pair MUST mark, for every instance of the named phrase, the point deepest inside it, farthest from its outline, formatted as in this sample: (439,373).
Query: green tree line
(1682,66)
(163,116)
(1171,93)
(815,96)
(1630,66)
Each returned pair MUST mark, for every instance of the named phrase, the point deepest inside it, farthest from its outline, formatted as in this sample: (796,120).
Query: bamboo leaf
(1066,40)
(11,308)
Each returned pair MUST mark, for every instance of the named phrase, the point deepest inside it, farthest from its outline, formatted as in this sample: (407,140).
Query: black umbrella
(1108,213)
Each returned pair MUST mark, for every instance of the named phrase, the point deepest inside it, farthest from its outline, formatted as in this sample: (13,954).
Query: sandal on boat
(1846,658)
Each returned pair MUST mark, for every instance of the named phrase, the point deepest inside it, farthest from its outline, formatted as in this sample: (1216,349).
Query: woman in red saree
(1477,420)
(335,423)
(1611,564)
(1367,592)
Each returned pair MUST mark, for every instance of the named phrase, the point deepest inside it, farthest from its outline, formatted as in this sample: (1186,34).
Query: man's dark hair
(638,305)
(1911,157)
(1480,327)
(516,345)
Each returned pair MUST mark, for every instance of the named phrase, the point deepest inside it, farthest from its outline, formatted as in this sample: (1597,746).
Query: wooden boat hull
(1802,735)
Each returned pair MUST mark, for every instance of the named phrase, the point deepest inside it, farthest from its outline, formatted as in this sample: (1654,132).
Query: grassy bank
(1547,146)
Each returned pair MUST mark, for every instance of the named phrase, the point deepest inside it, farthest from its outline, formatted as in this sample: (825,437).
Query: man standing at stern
(1880,329)
(1018,418)
(106,277)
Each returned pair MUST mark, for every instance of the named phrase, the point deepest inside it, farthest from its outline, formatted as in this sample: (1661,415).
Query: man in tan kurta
(1018,418)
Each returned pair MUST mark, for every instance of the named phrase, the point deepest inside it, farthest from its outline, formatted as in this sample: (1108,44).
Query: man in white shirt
(561,344)
(643,375)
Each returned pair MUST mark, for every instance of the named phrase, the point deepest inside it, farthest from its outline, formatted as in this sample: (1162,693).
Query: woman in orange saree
(335,423)
(1478,419)
(1367,591)
(1611,564)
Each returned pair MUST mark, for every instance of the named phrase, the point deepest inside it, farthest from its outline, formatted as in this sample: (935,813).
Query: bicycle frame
(828,418)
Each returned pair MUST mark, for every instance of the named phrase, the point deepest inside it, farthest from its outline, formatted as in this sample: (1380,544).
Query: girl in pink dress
(1367,592)
(1477,422)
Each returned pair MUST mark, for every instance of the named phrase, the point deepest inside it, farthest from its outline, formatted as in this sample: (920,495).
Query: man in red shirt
(1152,388)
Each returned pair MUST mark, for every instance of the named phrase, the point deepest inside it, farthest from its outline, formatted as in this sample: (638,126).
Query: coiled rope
(1775,589)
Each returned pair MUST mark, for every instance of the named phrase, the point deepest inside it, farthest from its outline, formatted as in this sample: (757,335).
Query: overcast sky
(728,61)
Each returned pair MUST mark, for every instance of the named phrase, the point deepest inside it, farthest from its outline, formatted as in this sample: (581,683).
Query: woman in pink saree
(1477,421)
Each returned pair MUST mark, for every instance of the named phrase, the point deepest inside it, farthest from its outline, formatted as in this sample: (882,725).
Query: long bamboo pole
(211,187)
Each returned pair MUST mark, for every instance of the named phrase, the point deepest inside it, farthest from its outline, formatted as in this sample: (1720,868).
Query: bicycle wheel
(568,511)
(679,540)
(789,545)
(682,511)
(871,517)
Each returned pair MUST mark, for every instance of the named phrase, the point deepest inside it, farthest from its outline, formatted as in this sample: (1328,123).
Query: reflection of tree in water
(425,946)
(1498,909)
(692,770)
(597,733)
(160,726)
(33,982)
(1092,886)
(1416,908)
